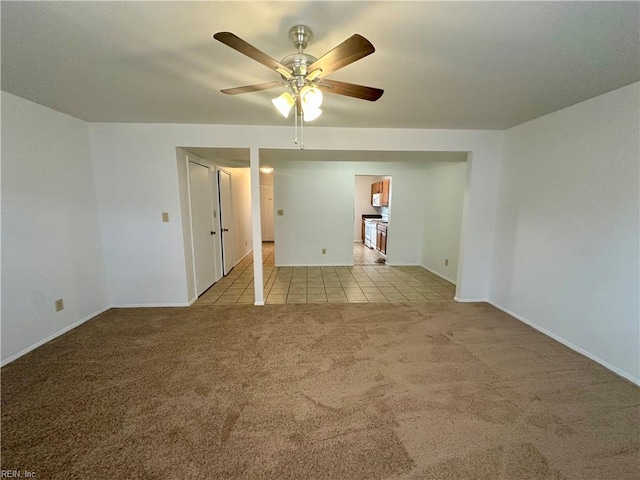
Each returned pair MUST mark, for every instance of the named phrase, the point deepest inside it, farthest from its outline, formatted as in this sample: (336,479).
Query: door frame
(230,241)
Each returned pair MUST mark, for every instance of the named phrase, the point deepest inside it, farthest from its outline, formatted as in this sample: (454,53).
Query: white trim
(256,226)
(260,304)
(152,305)
(439,274)
(52,336)
(193,248)
(469,300)
(194,299)
(398,264)
(572,346)
(286,265)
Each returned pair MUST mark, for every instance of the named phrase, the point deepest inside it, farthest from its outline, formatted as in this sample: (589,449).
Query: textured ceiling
(484,65)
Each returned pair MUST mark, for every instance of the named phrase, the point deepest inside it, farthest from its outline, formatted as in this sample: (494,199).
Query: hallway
(365,282)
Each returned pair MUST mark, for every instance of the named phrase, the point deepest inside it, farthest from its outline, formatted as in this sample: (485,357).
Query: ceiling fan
(303,75)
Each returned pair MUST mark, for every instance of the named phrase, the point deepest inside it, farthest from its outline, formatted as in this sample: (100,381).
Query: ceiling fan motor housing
(298,63)
(300,36)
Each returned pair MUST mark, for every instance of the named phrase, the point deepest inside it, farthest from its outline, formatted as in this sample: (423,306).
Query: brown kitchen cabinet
(383,189)
(385,192)
(381,238)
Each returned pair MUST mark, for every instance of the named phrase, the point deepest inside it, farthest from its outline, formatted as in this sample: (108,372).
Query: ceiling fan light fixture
(310,97)
(310,114)
(284,103)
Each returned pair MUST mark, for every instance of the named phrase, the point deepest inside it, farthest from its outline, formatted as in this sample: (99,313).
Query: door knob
(213,233)
(225,229)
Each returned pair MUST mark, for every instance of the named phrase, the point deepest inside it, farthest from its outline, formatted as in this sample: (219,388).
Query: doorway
(372,199)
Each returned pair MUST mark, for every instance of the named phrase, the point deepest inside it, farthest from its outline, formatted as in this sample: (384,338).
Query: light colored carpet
(338,391)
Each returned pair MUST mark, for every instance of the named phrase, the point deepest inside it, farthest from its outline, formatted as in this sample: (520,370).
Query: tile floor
(366,281)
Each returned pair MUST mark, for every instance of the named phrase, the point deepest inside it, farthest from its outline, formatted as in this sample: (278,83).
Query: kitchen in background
(372,200)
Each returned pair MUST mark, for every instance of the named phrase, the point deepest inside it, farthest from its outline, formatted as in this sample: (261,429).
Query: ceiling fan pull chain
(295,111)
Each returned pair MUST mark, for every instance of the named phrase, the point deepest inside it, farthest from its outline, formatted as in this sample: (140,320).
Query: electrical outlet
(280,213)
(59,305)
(324,251)
(165,217)
(446,262)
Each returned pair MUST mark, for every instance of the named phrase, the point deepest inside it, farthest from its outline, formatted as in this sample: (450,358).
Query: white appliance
(376,200)
(370,233)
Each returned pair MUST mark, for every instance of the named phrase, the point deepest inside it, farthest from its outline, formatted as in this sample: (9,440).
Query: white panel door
(266,212)
(202,226)
(226,221)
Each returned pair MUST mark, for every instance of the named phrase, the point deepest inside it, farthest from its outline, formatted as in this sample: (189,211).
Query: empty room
(320,240)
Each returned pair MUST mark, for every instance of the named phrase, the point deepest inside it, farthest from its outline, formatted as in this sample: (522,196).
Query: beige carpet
(340,391)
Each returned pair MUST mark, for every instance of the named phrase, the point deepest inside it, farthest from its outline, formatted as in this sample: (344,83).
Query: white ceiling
(485,65)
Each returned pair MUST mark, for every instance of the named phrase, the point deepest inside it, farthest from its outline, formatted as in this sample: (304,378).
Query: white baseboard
(400,264)
(52,336)
(153,305)
(260,304)
(315,265)
(572,346)
(469,300)
(440,275)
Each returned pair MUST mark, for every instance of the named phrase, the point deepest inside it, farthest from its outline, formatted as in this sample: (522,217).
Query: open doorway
(215,198)
(372,200)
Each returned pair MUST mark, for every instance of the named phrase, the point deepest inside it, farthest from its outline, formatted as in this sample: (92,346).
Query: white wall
(566,250)
(241,200)
(444,189)
(50,232)
(363,202)
(137,179)
(318,203)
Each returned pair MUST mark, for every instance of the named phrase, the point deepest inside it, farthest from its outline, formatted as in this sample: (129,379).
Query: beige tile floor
(366,281)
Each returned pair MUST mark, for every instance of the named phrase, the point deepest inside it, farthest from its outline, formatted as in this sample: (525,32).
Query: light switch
(165,216)
(280,213)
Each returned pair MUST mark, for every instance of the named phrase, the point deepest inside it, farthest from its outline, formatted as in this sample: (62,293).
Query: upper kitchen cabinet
(380,193)
(385,192)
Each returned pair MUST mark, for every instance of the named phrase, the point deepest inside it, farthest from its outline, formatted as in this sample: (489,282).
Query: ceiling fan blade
(353,48)
(250,51)
(350,90)
(251,88)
